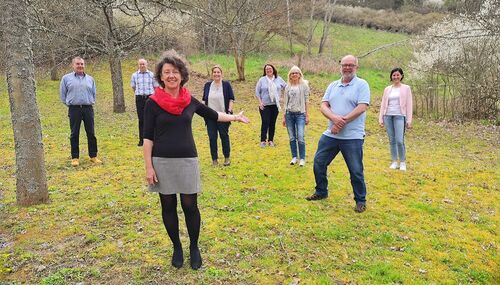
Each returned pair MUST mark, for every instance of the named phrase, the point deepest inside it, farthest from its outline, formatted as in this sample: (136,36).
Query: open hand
(242,118)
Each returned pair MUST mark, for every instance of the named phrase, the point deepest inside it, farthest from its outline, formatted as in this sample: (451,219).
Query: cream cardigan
(405,100)
(303,97)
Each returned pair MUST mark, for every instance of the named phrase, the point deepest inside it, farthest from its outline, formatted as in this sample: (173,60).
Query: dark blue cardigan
(227,91)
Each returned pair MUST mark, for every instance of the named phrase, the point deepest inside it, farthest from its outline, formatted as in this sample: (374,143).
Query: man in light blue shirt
(77,91)
(344,104)
(143,83)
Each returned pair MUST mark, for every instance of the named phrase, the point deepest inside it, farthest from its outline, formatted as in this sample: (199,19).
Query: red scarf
(174,106)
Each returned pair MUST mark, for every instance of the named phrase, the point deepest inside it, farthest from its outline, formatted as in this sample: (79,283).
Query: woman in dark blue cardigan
(218,95)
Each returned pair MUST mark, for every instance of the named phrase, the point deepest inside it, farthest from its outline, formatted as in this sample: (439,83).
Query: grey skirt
(176,175)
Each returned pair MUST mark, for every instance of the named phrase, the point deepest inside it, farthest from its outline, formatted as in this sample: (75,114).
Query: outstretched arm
(223,117)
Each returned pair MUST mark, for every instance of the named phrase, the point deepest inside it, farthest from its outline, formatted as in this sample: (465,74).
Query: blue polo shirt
(343,98)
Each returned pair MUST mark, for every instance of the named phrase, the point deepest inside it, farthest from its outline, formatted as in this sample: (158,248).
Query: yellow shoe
(95,160)
(75,162)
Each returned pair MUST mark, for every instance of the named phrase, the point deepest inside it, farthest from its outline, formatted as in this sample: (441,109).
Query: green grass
(435,224)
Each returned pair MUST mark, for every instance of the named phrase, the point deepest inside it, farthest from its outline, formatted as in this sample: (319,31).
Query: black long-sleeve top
(172,135)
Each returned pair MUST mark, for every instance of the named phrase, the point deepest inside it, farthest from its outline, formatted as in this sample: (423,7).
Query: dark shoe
(315,197)
(195,256)
(177,258)
(360,207)
(140,143)
(227,161)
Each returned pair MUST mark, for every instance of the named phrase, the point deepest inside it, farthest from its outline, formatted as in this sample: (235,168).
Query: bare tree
(326,24)
(244,25)
(312,26)
(99,27)
(31,181)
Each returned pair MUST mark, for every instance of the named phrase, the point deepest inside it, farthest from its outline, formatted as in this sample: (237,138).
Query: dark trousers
(268,116)
(223,129)
(140,102)
(76,115)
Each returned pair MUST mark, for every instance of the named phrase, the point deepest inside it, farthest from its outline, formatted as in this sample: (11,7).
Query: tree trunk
(326,25)
(31,181)
(312,26)
(239,59)
(115,65)
(289,23)
(53,69)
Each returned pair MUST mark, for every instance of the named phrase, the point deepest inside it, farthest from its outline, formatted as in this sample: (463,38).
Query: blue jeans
(352,151)
(214,127)
(395,127)
(295,124)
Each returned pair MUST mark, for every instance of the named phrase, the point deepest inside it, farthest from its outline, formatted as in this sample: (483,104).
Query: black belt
(81,106)
(144,96)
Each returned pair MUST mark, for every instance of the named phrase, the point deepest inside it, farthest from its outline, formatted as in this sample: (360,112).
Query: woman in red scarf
(170,153)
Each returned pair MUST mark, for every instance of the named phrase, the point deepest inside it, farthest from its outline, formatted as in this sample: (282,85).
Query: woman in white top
(218,95)
(395,115)
(295,103)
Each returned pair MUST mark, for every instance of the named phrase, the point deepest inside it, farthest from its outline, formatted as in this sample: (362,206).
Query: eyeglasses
(348,65)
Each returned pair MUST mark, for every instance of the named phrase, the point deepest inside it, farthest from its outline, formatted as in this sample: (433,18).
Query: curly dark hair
(177,63)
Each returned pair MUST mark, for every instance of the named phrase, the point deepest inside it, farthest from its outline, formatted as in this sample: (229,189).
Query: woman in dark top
(218,95)
(170,153)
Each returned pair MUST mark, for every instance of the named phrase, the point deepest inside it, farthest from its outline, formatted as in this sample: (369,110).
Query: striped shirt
(143,83)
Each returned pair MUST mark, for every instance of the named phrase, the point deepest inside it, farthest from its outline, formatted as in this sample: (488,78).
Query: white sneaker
(294,160)
(302,162)
(394,165)
(402,166)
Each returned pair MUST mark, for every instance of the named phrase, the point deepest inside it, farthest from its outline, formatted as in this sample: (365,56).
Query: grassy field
(435,224)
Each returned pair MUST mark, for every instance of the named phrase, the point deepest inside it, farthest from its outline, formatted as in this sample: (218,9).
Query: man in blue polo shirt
(143,83)
(78,92)
(344,104)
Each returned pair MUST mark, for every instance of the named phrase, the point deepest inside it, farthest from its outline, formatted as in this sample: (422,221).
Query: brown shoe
(360,207)
(215,162)
(75,162)
(95,160)
(227,161)
(315,197)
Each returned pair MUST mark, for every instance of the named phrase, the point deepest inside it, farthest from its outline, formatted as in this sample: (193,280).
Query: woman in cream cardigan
(395,115)
(296,113)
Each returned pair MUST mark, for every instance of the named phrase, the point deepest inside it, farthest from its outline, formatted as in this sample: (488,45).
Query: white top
(293,104)
(216,97)
(394,105)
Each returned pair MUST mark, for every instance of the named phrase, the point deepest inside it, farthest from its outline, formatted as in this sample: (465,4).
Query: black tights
(189,203)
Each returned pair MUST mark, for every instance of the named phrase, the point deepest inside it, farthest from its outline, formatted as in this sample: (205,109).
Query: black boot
(194,253)
(177,258)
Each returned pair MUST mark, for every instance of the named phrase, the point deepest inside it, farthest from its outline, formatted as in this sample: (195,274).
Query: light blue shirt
(343,98)
(262,89)
(143,83)
(77,89)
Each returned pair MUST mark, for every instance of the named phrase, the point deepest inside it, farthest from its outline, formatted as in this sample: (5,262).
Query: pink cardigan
(405,100)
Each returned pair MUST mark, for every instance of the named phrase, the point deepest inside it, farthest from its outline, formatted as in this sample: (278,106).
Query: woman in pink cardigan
(396,112)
